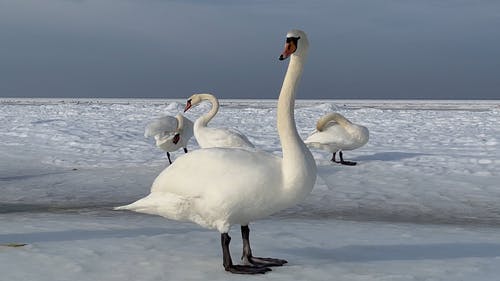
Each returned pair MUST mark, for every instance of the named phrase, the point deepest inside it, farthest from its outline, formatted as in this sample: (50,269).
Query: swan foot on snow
(348,163)
(237,269)
(256,261)
(247,252)
(185,150)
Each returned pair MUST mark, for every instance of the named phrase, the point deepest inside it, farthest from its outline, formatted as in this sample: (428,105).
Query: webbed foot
(257,261)
(247,269)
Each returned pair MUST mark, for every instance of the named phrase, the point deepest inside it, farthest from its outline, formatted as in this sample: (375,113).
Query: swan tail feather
(170,205)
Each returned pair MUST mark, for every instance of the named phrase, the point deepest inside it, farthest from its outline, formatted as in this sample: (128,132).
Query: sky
(366,49)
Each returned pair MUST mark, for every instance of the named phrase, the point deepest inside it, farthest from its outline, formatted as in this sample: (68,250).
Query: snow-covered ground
(422,203)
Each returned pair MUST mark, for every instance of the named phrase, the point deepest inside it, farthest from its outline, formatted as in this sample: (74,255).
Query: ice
(86,246)
(422,203)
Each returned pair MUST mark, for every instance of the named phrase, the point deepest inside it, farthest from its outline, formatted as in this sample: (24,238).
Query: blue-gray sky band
(447,49)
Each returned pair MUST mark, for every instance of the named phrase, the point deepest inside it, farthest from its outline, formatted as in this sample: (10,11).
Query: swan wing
(217,187)
(221,137)
(330,124)
(160,125)
(213,169)
(336,137)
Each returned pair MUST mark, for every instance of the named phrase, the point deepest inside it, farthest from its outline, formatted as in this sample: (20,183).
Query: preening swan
(170,133)
(220,187)
(214,137)
(335,133)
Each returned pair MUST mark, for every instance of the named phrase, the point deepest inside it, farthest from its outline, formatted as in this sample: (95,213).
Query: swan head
(177,138)
(197,99)
(296,44)
(192,101)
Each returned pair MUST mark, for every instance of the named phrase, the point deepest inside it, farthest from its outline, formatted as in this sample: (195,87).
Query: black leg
(247,256)
(348,163)
(168,156)
(228,263)
(185,150)
(225,239)
(333,157)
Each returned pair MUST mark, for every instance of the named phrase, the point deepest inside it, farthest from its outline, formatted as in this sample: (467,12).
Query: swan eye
(292,39)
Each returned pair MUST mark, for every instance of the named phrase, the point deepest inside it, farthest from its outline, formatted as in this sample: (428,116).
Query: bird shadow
(388,156)
(30,176)
(73,235)
(369,253)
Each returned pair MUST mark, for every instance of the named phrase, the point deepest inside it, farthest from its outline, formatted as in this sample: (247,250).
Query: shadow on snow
(73,235)
(367,253)
(388,156)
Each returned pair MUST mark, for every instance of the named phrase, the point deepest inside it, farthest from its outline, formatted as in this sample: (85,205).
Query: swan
(220,187)
(170,133)
(335,133)
(214,137)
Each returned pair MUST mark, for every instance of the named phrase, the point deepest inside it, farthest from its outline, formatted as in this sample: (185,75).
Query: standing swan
(221,187)
(170,133)
(214,137)
(335,133)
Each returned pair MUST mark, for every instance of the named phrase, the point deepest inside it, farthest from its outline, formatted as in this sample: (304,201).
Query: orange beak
(290,48)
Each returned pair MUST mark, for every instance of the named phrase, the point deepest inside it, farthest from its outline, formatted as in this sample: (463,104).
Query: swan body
(219,187)
(214,137)
(214,203)
(170,133)
(335,133)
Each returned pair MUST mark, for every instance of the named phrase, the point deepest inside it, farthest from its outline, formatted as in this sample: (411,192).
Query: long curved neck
(204,119)
(180,122)
(337,117)
(298,163)
(287,129)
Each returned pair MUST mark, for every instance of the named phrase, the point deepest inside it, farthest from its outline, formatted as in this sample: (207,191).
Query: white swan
(214,137)
(335,133)
(221,187)
(170,133)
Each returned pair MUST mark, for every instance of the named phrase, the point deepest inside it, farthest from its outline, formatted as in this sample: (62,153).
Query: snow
(422,203)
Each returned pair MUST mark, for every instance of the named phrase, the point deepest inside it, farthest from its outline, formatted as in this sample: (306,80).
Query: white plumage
(335,133)
(214,137)
(220,187)
(170,133)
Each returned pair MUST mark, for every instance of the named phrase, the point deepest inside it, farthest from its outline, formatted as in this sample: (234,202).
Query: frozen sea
(423,203)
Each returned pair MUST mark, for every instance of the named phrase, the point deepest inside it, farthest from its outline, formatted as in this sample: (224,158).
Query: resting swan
(220,187)
(335,133)
(214,137)
(170,133)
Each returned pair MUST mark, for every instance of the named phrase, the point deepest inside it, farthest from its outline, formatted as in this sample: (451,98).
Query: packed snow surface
(422,203)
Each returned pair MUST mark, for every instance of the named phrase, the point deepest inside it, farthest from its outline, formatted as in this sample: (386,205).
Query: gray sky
(442,49)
